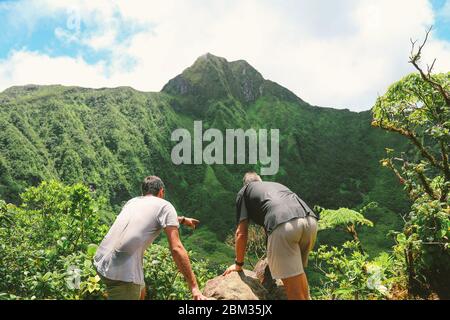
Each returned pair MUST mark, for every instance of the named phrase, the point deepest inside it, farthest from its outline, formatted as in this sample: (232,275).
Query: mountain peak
(210,56)
(213,77)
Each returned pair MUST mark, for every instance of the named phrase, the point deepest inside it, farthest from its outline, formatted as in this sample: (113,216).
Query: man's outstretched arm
(241,237)
(188,222)
(181,259)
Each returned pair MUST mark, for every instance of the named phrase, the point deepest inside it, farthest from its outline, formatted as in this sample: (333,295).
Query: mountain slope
(114,137)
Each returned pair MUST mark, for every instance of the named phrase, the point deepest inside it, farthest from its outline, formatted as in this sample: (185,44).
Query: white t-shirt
(120,254)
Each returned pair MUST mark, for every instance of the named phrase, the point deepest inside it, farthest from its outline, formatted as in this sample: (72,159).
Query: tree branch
(426,185)
(410,135)
(414,60)
(424,151)
(445,164)
(402,179)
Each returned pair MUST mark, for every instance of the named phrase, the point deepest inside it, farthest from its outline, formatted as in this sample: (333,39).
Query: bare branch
(413,46)
(414,60)
(430,68)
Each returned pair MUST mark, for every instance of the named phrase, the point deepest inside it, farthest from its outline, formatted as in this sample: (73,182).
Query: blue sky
(442,23)
(331,53)
(42,35)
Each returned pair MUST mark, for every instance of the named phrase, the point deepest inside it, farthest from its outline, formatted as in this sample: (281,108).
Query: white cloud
(341,54)
(23,67)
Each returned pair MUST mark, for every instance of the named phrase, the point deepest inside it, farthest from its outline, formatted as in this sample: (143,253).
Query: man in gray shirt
(119,257)
(291,227)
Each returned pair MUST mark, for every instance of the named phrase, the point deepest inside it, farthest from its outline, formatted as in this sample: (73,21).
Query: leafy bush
(347,271)
(164,281)
(40,239)
(424,248)
(350,274)
(418,108)
(48,242)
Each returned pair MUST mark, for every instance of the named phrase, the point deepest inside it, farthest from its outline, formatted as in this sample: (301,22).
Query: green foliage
(379,238)
(114,137)
(418,108)
(342,218)
(67,216)
(424,248)
(412,104)
(6,217)
(350,274)
(164,281)
(347,271)
(48,233)
(48,242)
(203,243)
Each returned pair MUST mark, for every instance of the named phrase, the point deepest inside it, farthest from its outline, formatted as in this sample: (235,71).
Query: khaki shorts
(119,290)
(289,246)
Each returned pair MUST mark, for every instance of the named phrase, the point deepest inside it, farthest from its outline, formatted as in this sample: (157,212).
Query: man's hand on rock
(232,268)
(197,294)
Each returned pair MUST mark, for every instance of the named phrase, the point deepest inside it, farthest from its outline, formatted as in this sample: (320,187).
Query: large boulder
(242,285)
(246,285)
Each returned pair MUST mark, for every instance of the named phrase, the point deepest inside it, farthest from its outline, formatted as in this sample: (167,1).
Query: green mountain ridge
(212,77)
(113,137)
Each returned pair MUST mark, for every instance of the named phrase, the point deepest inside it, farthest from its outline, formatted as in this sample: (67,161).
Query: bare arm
(181,259)
(241,237)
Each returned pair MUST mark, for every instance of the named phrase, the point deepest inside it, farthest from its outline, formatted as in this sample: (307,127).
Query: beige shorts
(289,246)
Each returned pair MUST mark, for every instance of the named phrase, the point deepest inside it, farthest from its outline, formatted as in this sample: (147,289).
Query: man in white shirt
(119,257)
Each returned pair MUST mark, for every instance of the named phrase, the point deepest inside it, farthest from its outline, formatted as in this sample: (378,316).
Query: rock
(236,286)
(262,271)
(246,285)
(278,292)
(274,287)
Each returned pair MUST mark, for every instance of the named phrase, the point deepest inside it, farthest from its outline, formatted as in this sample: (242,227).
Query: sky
(341,54)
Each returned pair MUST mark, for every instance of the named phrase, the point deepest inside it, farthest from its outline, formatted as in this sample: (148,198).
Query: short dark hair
(251,177)
(152,185)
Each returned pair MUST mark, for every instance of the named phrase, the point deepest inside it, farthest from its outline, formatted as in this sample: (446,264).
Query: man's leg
(143,293)
(296,287)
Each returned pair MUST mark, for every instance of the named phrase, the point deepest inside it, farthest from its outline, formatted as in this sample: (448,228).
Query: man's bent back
(141,220)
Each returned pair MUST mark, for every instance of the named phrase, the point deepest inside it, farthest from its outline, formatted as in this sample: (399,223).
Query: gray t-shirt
(120,254)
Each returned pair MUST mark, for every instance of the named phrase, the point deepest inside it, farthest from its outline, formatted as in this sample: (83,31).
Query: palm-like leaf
(343,217)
